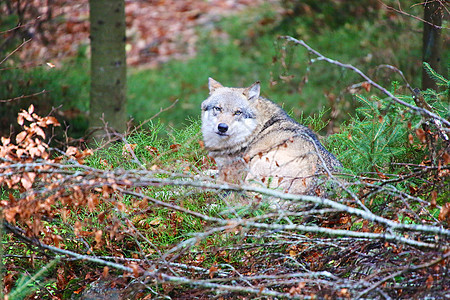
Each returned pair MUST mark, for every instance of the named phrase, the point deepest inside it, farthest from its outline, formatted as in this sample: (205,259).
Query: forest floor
(145,218)
(157,31)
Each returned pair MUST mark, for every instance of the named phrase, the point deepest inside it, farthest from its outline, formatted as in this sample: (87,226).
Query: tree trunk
(432,41)
(108,67)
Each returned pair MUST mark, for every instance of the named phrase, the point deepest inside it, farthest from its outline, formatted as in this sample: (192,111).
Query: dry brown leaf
(212,271)
(410,138)
(52,121)
(98,236)
(433,198)
(105,272)
(446,157)
(445,212)
(366,86)
(34,152)
(26,182)
(71,151)
(429,281)
(21,137)
(5,141)
(175,147)
(421,135)
(135,268)
(39,131)
(20,119)
(120,206)
(90,201)
(77,228)
(10,214)
(155,222)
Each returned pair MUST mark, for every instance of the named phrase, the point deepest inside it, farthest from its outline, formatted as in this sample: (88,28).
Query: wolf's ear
(213,85)
(252,92)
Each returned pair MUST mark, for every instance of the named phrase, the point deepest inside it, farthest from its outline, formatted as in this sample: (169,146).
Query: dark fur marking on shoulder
(328,157)
(269,123)
(289,129)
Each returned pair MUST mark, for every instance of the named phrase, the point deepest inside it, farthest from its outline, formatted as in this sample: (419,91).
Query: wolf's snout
(222,127)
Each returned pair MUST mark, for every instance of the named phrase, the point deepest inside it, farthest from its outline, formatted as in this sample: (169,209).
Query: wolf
(254,141)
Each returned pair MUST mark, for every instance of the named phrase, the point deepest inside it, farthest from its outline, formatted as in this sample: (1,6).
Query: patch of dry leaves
(157,30)
(26,160)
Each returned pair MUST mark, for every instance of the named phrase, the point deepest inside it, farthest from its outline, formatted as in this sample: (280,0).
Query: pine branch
(438,78)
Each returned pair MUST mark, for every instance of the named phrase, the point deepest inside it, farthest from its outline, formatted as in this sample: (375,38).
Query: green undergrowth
(153,145)
(386,142)
(379,142)
(131,227)
(65,88)
(252,52)
(237,51)
(169,153)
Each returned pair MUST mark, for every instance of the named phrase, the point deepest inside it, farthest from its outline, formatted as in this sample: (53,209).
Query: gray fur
(253,140)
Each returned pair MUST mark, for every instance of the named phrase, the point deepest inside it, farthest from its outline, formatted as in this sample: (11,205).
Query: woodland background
(140,217)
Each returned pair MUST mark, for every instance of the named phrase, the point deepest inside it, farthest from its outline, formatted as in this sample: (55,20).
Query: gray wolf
(253,140)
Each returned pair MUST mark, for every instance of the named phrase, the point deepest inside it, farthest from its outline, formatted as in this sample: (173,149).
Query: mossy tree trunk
(108,67)
(432,41)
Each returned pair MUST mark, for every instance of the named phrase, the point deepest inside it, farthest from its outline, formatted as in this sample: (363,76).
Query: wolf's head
(228,119)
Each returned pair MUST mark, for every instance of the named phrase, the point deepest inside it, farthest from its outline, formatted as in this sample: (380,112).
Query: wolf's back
(287,152)
(254,140)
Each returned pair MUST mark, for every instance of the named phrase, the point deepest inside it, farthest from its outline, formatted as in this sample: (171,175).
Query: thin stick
(24,96)
(418,110)
(15,50)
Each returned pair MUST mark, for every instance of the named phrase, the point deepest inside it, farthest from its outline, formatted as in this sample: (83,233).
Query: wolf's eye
(217,109)
(238,113)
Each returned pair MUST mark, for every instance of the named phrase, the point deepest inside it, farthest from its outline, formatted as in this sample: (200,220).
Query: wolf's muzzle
(222,127)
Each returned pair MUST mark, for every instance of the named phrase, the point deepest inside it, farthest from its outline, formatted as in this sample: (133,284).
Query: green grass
(251,52)
(66,88)
(178,152)
(254,52)
(154,144)
(170,142)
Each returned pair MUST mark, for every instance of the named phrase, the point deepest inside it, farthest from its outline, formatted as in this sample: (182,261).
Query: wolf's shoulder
(275,116)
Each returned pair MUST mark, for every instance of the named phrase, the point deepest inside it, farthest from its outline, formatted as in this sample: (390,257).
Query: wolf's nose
(222,127)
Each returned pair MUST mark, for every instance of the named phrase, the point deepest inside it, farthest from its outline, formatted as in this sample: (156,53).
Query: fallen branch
(419,110)
(400,272)
(23,96)
(144,178)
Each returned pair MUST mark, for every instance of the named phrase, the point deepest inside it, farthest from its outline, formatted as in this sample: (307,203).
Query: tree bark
(432,41)
(108,67)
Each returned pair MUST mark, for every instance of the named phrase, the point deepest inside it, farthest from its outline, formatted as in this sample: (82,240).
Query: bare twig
(402,271)
(24,96)
(401,11)
(15,50)
(144,178)
(419,110)
(161,110)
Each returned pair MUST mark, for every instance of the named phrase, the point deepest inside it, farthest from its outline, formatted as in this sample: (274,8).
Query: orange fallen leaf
(105,272)
(21,136)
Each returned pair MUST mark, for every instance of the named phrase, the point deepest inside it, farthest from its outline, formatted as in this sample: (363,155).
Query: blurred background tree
(432,40)
(108,67)
(173,46)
